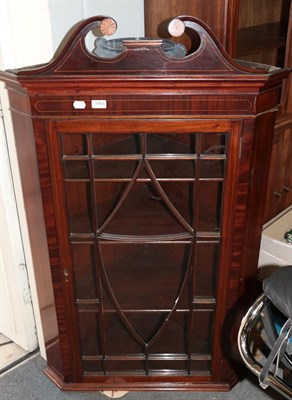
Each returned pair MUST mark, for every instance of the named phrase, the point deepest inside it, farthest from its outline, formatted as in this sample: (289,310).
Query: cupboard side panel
(228,285)
(58,348)
(20,141)
(234,301)
(258,180)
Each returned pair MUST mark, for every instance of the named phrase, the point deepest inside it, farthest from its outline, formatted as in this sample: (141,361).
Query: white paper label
(79,104)
(98,104)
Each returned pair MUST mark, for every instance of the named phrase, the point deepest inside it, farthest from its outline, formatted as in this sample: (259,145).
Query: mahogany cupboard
(152,166)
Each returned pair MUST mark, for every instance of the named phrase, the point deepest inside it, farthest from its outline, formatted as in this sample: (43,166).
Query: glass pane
(74,144)
(173,339)
(89,332)
(206,269)
(107,195)
(111,144)
(92,367)
(119,340)
(114,169)
(144,213)
(210,200)
(79,206)
(173,168)
(212,168)
(171,144)
(75,169)
(213,143)
(137,273)
(202,336)
(84,271)
(147,324)
(181,195)
(144,273)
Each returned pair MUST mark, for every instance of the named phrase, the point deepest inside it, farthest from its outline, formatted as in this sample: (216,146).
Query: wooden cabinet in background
(253,30)
(263,26)
(152,169)
(264,36)
(279,193)
(216,14)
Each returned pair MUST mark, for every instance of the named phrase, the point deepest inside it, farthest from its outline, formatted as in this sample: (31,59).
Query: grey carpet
(28,382)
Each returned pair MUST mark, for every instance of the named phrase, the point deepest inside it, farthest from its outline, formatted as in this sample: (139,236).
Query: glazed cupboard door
(141,210)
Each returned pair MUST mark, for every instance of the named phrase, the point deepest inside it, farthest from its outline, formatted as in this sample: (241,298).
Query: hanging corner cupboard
(153,169)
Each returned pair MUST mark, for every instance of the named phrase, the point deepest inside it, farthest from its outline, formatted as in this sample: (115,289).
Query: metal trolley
(272,311)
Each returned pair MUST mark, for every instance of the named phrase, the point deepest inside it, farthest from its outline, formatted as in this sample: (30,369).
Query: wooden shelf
(254,39)
(284,122)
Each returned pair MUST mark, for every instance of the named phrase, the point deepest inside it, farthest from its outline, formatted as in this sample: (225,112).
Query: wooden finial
(176,27)
(108,26)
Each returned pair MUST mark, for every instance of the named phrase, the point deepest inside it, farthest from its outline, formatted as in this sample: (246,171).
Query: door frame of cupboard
(232,129)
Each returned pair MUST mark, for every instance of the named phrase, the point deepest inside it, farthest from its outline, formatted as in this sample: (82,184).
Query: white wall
(25,32)
(30,33)
(129,15)
(31,30)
